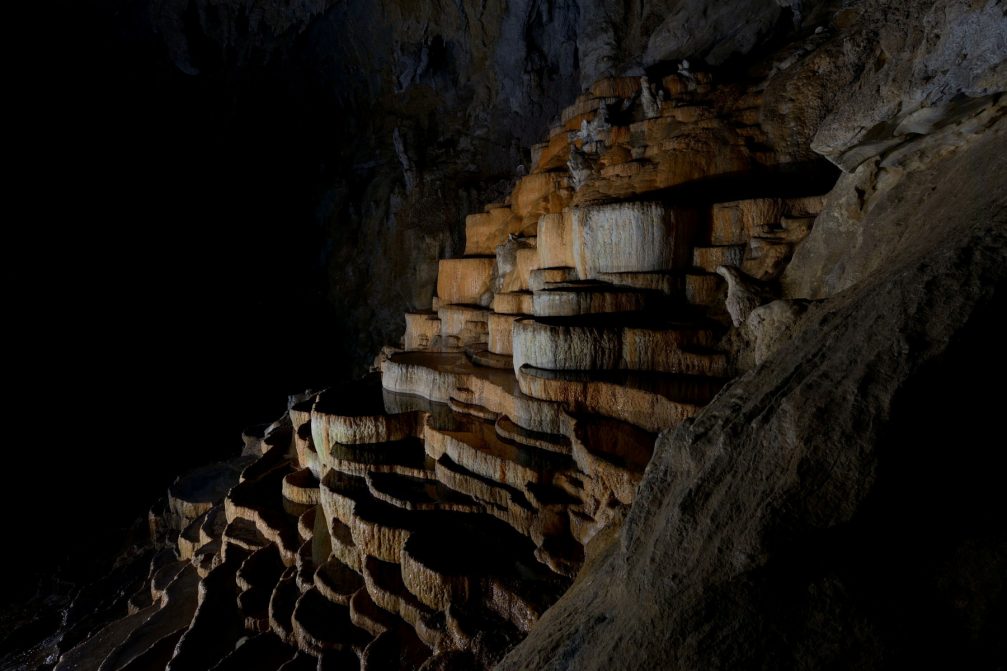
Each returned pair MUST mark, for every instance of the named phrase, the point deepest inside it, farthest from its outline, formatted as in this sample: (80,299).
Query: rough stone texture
(836,506)
(743,294)
(770,327)
(880,72)
(713,32)
(847,245)
(437,101)
(804,495)
(602,242)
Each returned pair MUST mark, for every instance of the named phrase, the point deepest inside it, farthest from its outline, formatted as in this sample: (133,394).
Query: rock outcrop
(559,465)
(428,109)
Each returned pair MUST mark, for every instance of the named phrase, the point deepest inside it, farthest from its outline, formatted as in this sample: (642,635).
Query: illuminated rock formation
(431,514)
(434,510)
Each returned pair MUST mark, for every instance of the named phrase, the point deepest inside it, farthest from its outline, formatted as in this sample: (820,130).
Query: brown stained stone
(584,104)
(405,457)
(518,302)
(809,206)
(453,564)
(614,156)
(702,288)
(367,615)
(300,413)
(554,241)
(475,445)
(281,606)
(306,523)
(301,487)
(503,502)
(607,342)
(487,359)
(461,325)
(196,492)
(674,160)
(667,283)
(767,259)
(339,493)
(542,278)
(394,650)
(380,530)
(471,409)
(163,577)
(708,258)
(320,624)
(355,413)
(304,447)
(343,547)
(422,330)
(591,299)
(211,555)
(260,502)
(554,154)
(439,377)
(736,222)
(189,539)
(540,193)
(616,87)
(305,567)
(649,401)
(213,525)
(485,231)
(336,581)
(244,534)
(465,281)
(508,430)
(385,586)
(499,332)
(411,493)
(613,455)
(261,569)
(515,260)
(432,513)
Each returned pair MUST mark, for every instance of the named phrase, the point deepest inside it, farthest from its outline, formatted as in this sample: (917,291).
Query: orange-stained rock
(540,193)
(465,281)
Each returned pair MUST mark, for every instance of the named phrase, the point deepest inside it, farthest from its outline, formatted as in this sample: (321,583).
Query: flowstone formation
(427,515)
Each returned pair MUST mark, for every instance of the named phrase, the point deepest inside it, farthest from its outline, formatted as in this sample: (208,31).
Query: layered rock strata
(470,493)
(431,512)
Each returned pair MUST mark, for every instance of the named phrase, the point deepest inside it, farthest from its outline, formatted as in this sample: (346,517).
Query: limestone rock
(465,281)
(821,481)
(743,294)
(555,452)
(771,326)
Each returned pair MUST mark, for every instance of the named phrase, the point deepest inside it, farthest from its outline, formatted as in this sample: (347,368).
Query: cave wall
(833,506)
(428,109)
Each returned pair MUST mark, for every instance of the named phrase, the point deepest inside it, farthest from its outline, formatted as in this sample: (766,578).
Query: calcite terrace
(428,514)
